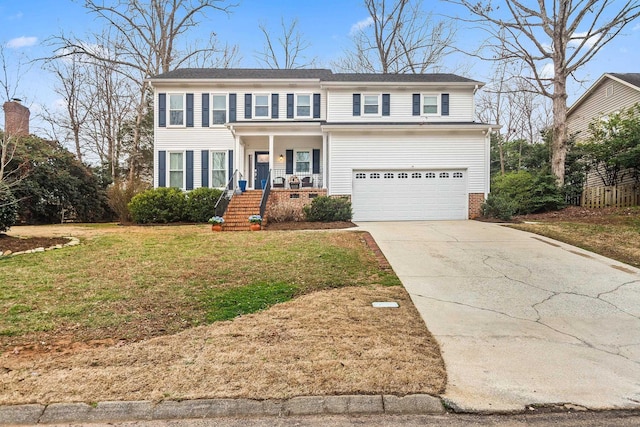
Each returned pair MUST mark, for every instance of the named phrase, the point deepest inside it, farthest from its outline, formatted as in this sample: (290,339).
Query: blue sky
(26,25)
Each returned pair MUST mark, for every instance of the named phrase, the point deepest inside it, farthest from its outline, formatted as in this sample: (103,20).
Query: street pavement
(521,319)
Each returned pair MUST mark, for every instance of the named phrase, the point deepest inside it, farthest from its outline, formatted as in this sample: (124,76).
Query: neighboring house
(401,147)
(611,93)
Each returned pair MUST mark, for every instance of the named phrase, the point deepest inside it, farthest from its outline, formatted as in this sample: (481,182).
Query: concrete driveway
(521,319)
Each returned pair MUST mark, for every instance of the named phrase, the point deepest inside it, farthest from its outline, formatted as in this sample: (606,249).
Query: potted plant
(255,221)
(216,223)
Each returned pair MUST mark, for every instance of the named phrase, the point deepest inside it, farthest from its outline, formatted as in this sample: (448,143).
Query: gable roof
(318,74)
(628,79)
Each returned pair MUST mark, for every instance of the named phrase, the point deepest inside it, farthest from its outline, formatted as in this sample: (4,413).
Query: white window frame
(225,164)
(255,105)
(378,96)
(184,110)
(295,161)
(183,170)
(438,106)
(308,116)
(226,109)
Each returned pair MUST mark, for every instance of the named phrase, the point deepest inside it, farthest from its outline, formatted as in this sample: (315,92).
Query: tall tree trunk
(559,143)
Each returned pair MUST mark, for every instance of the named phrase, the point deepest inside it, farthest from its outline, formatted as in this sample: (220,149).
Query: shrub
(284,212)
(327,209)
(160,205)
(120,193)
(8,208)
(527,192)
(201,204)
(497,206)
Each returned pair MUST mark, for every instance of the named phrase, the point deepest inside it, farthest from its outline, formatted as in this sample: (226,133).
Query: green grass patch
(139,282)
(226,304)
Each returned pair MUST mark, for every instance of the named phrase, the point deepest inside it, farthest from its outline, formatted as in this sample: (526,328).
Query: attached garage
(410,195)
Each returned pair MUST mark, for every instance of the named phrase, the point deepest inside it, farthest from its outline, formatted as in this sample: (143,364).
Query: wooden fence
(619,196)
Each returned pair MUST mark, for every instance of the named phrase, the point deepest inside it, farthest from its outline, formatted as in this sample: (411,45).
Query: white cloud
(19,42)
(577,38)
(18,15)
(636,27)
(547,71)
(361,25)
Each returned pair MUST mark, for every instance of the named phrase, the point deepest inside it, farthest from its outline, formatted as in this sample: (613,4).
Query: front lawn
(612,232)
(137,313)
(137,282)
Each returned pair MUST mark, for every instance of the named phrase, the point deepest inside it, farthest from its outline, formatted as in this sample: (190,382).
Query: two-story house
(401,147)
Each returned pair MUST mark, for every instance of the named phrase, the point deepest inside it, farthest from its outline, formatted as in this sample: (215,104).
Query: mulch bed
(304,225)
(17,244)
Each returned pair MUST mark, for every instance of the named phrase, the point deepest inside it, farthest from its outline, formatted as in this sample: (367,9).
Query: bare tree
(146,40)
(287,51)
(569,33)
(398,37)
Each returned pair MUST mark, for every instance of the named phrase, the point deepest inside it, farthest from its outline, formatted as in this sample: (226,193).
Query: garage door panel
(409,195)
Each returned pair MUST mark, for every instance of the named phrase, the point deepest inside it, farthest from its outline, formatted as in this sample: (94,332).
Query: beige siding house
(401,147)
(610,94)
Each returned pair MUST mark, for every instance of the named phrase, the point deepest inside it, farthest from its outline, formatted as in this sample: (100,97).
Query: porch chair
(278,182)
(307,181)
(294,182)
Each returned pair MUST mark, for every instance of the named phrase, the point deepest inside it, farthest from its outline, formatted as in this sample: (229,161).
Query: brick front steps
(241,207)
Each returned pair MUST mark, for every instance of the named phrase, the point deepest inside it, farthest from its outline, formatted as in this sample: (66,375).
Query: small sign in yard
(382,304)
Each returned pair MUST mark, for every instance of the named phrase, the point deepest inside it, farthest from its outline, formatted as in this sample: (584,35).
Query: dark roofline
(319,74)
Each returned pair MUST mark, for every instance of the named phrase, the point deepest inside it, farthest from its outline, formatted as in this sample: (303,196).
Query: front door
(262,168)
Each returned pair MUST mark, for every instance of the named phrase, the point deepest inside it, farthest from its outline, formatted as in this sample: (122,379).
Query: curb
(31,414)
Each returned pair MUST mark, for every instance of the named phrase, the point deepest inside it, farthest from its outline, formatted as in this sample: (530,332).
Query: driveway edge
(31,414)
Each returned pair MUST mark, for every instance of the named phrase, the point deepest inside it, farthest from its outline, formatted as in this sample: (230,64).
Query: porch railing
(265,195)
(224,199)
(281,179)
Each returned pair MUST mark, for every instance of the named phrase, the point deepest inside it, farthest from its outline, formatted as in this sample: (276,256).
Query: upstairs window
(219,109)
(430,104)
(371,105)
(176,109)
(261,109)
(303,105)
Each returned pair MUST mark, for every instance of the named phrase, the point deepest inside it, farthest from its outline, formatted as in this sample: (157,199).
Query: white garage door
(392,195)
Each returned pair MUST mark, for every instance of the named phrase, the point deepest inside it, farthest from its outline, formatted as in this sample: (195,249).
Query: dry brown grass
(325,343)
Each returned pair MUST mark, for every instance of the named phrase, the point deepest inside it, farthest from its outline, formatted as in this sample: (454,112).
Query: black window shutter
(289,162)
(162,110)
(289,106)
(316,160)
(316,105)
(189,183)
(416,104)
(162,168)
(205,110)
(205,168)
(444,104)
(232,107)
(190,110)
(356,104)
(247,105)
(230,169)
(386,104)
(274,105)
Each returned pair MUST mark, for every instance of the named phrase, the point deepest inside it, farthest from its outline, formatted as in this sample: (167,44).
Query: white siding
(349,152)
(341,107)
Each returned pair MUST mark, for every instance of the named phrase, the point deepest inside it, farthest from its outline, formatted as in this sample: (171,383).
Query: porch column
(237,161)
(325,157)
(271,154)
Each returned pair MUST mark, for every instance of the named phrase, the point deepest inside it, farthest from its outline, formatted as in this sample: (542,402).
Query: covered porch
(292,156)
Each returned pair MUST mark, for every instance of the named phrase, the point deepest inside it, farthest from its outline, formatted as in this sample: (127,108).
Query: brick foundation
(475,204)
(298,198)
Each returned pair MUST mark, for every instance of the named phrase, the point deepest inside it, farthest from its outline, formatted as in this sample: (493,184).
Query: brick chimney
(16,118)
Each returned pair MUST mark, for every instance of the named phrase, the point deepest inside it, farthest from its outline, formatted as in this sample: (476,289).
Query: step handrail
(227,193)
(265,195)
